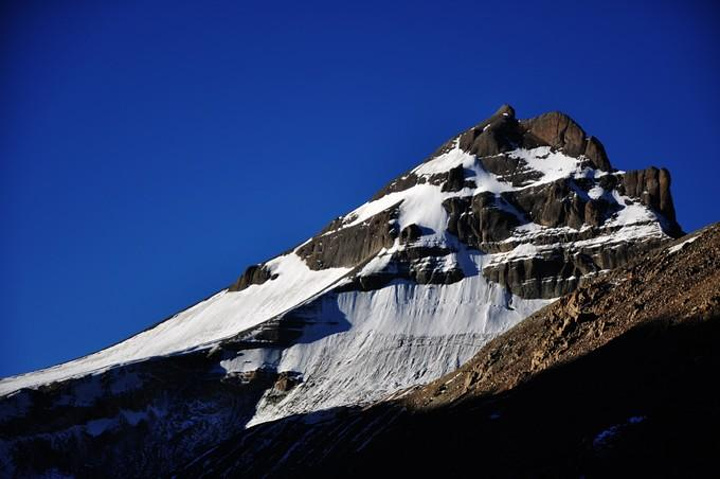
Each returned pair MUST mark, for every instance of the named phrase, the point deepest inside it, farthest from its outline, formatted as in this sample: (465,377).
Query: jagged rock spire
(503,132)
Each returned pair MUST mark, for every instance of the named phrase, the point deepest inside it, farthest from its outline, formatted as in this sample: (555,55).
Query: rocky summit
(502,220)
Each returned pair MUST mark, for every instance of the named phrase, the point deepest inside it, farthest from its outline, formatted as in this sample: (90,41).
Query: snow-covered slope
(395,337)
(503,219)
(220,316)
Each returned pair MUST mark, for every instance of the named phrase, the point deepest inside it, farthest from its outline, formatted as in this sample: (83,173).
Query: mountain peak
(505,110)
(502,133)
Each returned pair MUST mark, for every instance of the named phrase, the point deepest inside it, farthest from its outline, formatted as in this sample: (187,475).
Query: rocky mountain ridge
(547,219)
(499,222)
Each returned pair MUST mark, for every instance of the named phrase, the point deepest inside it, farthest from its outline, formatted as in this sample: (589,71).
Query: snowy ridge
(218,317)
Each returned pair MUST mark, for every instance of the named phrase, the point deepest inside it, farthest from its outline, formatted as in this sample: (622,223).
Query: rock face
(500,221)
(350,245)
(652,186)
(560,131)
(482,219)
(556,271)
(497,134)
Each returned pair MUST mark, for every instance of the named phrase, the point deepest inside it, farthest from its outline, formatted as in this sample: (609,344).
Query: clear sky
(150,150)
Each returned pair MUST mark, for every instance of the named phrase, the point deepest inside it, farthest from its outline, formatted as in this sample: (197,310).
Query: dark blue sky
(151,150)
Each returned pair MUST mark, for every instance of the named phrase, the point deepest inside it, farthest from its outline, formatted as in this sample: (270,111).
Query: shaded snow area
(399,336)
(221,316)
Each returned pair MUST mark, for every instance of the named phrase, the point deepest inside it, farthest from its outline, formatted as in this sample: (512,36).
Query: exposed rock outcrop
(406,181)
(351,245)
(559,131)
(410,233)
(419,264)
(255,274)
(652,187)
(455,179)
(501,133)
(555,272)
(480,220)
(487,221)
(498,134)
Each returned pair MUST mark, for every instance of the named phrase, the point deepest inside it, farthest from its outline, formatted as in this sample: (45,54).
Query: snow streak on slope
(218,317)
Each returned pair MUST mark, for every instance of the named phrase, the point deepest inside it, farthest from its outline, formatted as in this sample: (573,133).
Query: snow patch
(679,246)
(445,162)
(249,360)
(552,164)
(596,192)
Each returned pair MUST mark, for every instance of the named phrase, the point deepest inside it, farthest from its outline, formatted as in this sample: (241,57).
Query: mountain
(500,221)
(612,380)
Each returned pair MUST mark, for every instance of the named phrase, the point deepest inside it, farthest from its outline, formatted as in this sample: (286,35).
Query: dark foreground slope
(616,379)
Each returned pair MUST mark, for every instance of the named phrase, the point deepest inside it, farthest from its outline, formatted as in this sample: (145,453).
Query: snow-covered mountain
(501,220)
